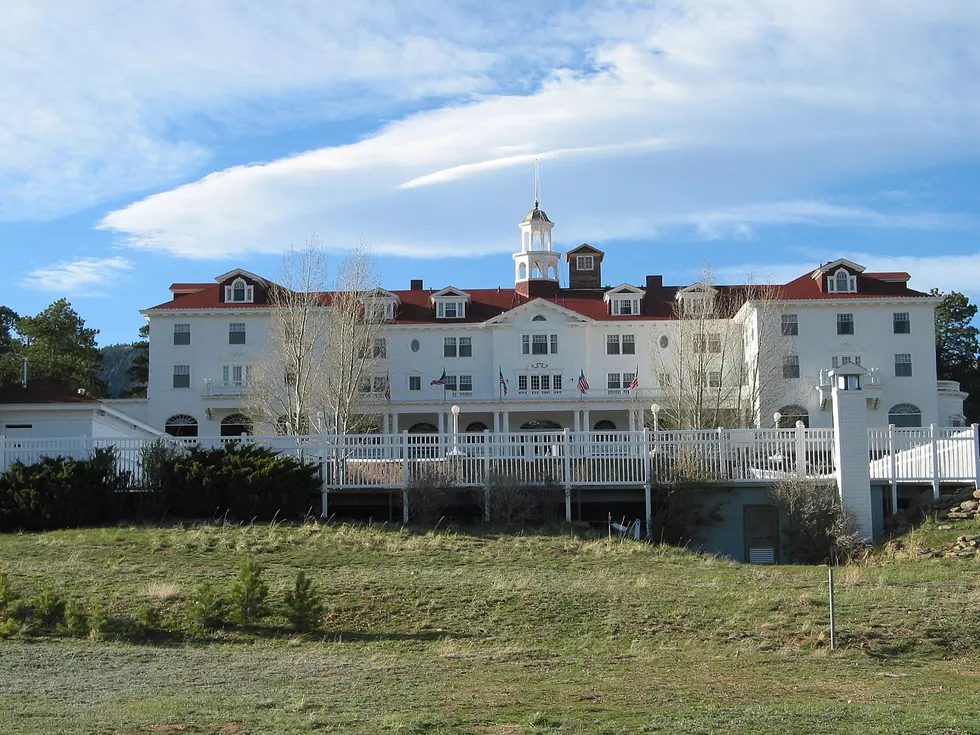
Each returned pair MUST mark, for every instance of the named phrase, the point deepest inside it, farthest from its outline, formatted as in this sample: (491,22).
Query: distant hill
(116,360)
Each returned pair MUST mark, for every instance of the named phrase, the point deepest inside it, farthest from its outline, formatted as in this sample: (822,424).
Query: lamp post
(455,410)
(776,418)
(655,410)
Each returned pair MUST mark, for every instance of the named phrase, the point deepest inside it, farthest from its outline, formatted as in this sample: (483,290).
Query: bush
(249,594)
(97,621)
(511,503)
(206,610)
(239,482)
(7,595)
(821,530)
(61,492)
(76,623)
(430,496)
(48,608)
(304,609)
(147,619)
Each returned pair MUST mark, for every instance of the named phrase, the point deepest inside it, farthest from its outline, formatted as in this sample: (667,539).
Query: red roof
(658,303)
(42,390)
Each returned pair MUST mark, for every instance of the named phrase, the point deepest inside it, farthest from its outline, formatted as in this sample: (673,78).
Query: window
(181,425)
(791,366)
(629,344)
(236,333)
(235,425)
(584,262)
(538,383)
(842,282)
(554,344)
(905,415)
(374,385)
(414,345)
(234,375)
(466,347)
(664,342)
(714,379)
(539,344)
(379,311)
(182,376)
(182,334)
(791,326)
(837,360)
(612,344)
(845,324)
(539,318)
(381,348)
(239,292)
(903,365)
(450,309)
(465,383)
(415,382)
(663,379)
(699,343)
(449,347)
(714,342)
(625,307)
(614,382)
(901,324)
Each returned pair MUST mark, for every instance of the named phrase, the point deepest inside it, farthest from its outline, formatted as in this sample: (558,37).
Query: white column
(586,424)
(632,419)
(851,447)
(386,423)
(576,423)
(496,422)
(506,420)
(442,422)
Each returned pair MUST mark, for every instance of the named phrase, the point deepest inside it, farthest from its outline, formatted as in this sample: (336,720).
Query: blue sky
(142,144)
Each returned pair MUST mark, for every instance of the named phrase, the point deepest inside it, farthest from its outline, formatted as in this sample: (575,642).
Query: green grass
(453,632)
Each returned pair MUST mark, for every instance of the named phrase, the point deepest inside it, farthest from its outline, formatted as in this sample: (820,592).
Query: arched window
(235,425)
(423,427)
(957,419)
(181,425)
(905,415)
(522,271)
(543,425)
(239,292)
(789,415)
(539,318)
(604,425)
(476,427)
(535,271)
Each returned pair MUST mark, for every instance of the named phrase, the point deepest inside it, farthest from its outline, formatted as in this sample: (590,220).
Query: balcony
(224,388)
(948,386)
(528,395)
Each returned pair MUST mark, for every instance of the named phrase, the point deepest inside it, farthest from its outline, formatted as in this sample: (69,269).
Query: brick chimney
(417,284)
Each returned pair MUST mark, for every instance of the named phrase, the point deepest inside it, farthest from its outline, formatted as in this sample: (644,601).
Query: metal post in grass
(833,621)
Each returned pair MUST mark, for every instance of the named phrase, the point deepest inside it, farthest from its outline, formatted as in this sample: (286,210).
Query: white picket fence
(572,459)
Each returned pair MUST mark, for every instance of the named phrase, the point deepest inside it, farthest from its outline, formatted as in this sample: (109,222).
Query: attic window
(539,318)
(842,282)
(625,307)
(455,309)
(239,292)
(584,262)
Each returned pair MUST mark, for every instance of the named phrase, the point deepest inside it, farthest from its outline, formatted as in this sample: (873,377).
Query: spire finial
(537,185)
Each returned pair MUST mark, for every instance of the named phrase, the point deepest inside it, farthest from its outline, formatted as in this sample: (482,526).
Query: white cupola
(536,266)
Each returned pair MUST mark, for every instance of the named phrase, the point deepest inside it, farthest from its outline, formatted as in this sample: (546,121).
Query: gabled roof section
(539,304)
(696,288)
(240,272)
(839,263)
(450,292)
(381,293)
(583,249)
(624,289)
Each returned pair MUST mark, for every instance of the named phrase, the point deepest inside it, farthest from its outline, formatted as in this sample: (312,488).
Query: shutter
(762,556)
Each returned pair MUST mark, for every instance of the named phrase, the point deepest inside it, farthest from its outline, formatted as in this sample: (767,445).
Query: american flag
(503,383)
(583,384)
(635,382)
(441,380)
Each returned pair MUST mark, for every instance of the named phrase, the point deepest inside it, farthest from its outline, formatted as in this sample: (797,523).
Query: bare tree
(725,365)
(325,341)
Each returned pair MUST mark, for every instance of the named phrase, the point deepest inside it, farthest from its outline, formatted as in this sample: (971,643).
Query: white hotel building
(541,335)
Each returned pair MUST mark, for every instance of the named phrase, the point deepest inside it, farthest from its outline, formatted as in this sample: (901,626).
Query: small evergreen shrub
(97,621)
(7,595)
(76,622)
(304,609)
(48,608)
(147,619)
(206,610)
(249,594)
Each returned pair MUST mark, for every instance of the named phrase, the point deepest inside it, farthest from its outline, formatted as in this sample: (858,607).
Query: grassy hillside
(456,633)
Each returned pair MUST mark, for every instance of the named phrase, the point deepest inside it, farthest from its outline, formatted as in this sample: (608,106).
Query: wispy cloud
(84,276)
(679,116)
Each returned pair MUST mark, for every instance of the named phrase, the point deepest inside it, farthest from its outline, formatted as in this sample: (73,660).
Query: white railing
(947,386)
(603,459)
(224,387)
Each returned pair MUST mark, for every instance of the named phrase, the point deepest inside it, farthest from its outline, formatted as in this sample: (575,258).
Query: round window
(415,345)
(664,341)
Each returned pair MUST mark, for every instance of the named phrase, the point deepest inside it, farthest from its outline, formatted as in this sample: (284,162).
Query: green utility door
(761,531)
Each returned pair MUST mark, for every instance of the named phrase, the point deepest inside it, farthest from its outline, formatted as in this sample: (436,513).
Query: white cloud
(681,115)
(84,276)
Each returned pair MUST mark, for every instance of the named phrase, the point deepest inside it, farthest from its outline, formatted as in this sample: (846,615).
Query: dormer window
(584,262)
(842,282)
(239,292)
(625,307)
(450,309)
